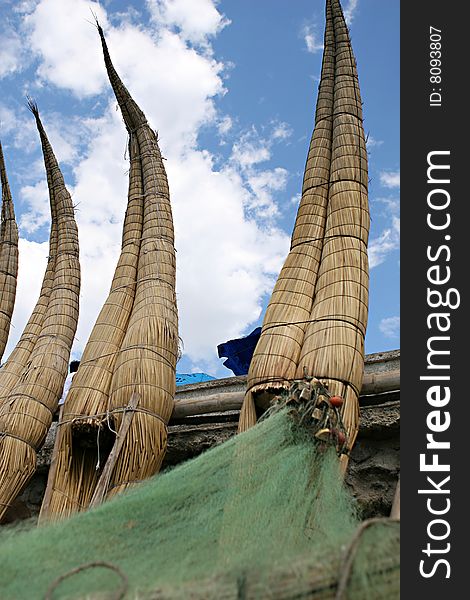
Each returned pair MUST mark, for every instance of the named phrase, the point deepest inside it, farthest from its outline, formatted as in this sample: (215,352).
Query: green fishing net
(264,515)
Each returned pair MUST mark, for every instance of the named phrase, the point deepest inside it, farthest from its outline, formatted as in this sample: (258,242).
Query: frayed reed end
(248,417)
(18,466)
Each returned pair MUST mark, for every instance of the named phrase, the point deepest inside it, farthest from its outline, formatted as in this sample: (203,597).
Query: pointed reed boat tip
(32,106)
(95,18)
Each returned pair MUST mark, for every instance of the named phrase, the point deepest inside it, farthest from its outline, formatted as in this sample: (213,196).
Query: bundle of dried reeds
(26,413)
(85,411)
(8,257)
(277,353)
(330,338)
(134,344)
(19,357)
(146,363)
(334,340)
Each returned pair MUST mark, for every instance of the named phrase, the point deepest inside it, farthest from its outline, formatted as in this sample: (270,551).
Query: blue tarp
(184,378)
(239,352)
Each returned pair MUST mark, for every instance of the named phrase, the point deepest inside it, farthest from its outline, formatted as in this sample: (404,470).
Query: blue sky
(231,88)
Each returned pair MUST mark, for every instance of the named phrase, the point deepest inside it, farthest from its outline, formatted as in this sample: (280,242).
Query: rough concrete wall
(375,460)
(374,464)
(372,474)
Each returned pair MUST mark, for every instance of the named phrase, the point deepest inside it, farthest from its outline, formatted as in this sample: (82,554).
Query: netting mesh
(265,512)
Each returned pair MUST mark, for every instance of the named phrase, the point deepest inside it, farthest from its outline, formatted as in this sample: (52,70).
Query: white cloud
(7,119)
(281,131)
(390,327)
(38,211)
(247,154)
(185,92)
(225,125)
(20,125)
(226,262)
(388,241)
(61,34)
(227,257)
(391,205)
(350,11)
(66,138)
(373,143)
(196,20)
(390,179)
(251,150)
(263,184)
(11,52)
(65,135)
(312,40)
(24,6)
(30,275)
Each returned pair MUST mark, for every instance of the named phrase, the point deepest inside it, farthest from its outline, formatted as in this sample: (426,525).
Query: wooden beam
(379,382)
(103,482)
(373,383)
(200,405)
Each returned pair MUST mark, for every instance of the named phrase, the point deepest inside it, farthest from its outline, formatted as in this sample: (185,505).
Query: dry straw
(26,412)
(277,354)
(76,474)
(146,363)
(134,344)
(19,357)
(325,337)
(8,257)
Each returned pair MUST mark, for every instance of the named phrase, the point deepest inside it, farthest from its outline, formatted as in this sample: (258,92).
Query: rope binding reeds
(117,595)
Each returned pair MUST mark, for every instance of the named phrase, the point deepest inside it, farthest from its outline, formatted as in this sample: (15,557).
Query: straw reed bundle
(26,413)
(72,485)
(330,338)
(333,346)
(8,257)
(146,363)
(277,353)
(19,357)
(134,344)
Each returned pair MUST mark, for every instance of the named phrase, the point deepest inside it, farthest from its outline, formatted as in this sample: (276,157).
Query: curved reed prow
(27,411)
(8,257)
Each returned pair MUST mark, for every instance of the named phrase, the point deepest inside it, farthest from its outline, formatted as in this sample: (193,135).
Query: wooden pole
(373,383)
(103,482)
(380,382)
(395,512)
